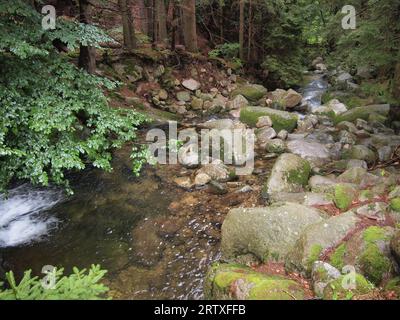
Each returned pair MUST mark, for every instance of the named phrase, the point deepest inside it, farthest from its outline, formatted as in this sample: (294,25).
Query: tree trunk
(127,24)
(87,55)
(221,20)
(173,21)
(150,19)
(241,30)
(396,83)
(142,18)
(161,22)
(250,30)
(189,25)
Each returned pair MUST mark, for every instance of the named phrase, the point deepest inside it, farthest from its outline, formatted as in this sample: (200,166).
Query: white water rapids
(22,215)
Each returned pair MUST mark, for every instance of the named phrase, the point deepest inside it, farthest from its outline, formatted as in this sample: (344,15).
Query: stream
(123,223)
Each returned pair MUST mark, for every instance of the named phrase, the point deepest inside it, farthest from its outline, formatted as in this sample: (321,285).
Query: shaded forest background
(56,118)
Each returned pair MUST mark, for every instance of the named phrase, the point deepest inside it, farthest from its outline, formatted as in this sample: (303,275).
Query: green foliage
(55,117)
(80,285)
(226,50)
(229,52)
(338,256)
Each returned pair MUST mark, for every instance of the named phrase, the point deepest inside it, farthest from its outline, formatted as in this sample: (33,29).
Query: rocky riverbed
(319,210)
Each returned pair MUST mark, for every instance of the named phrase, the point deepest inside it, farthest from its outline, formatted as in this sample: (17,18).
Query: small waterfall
(22,214)
(313,91)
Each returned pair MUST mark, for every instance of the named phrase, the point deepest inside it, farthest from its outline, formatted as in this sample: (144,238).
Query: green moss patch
(337,258)
(281,120)
(232,281)
(336,291)
(395,204)
(343,196)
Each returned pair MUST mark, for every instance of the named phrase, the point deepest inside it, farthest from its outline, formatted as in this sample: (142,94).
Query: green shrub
(54,117)
(80,285)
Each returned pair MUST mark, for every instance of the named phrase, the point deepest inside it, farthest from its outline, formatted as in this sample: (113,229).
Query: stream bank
(159,234)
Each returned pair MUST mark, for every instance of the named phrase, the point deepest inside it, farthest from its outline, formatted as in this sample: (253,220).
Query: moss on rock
(337,258)
(395,204)
(344,196)
(281,120)
(252,92)
(362,113)
(340,289)
(232,281)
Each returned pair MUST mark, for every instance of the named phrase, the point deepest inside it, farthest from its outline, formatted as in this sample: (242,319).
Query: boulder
(264,122)
(336,106)
(321,184)
(188,156)
(395,246)
(216,171)
(290,173)
(183,96)
(268,233)
(201,179)
(283,134)
(184,182)
(323,273)
(219,124)
(316,153)
(236,282)
(341,289)
(369,252)
(264,135)
(281,120)
(252,92)
(360,152)
(344,195)
(317,199)
(285,99)
(353,175)
(292,99)
(363,113)
(317,238)
(191,84)
(238,102)
(276,146)
(197,103)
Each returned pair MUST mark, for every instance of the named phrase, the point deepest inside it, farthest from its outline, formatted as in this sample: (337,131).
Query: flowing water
(127,225)
(313,91)
(111,220)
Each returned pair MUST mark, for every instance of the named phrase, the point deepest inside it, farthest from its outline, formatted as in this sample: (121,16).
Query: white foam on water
(22,216)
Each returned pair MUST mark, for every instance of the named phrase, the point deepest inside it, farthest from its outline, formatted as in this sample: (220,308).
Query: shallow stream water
(126,224)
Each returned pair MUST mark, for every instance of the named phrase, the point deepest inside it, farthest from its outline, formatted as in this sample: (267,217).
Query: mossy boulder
(395,247)
(353,175)
(375,117)
(344,194)
(322,274)
(236,282)
(317,238)
(360,152)
(341,289)
(290,173)
(268,233)
(252,92)
(363,113)
(276,146)
(281,120)
(395,204)
(369,251)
